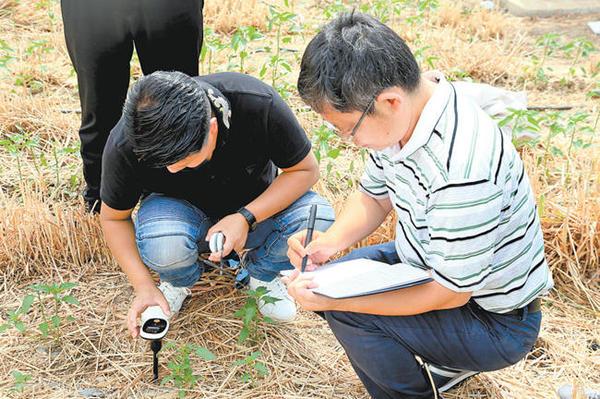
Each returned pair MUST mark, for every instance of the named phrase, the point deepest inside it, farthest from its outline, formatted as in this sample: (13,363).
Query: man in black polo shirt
(204,154)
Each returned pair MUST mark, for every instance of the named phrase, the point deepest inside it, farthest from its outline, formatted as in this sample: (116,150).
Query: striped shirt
(465,207)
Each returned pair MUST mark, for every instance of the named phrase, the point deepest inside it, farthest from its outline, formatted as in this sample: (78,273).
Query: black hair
(167,117)
(352,59)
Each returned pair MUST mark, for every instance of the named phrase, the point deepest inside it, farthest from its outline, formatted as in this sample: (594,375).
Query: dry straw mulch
(46,237)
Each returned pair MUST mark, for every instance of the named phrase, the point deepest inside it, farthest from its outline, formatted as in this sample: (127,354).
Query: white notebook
(361,277)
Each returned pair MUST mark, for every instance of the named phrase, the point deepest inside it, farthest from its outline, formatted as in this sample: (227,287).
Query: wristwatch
(250,218)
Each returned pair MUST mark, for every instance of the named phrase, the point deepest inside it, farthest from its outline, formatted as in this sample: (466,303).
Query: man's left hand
(299,287)
(235,229)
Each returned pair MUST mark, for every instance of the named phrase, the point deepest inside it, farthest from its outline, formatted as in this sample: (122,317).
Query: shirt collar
(221,108)
(430,116)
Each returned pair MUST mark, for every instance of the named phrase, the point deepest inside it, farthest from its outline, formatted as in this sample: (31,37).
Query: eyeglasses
(338,132)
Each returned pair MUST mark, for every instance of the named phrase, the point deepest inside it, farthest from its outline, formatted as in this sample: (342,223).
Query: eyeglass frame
(357,124)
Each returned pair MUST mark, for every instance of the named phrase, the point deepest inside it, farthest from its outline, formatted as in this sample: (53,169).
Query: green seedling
(6,54)
(250,315)
(18,142)
(20,380)
(15,317)
(252,368)
(59,296)
(181,373)
(38,47)
(582,48)
(522,121)
(240,41)
(212,45)
(549,44)
(279,21)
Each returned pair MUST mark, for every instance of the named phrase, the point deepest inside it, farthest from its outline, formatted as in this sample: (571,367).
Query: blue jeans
(170,231)
(381,348)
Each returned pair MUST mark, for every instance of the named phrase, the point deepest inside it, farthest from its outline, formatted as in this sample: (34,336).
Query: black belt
(531,307)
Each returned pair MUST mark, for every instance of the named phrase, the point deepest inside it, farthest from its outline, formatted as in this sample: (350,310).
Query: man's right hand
(321,248)
(148,296)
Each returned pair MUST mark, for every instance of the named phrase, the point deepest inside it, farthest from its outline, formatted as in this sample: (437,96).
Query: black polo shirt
(263,135)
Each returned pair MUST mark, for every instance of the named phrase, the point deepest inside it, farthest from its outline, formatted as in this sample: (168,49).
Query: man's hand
(235,229)
(321,248)
(299,287)
(148,296)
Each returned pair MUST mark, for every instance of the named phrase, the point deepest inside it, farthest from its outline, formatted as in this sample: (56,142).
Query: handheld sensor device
(155,325)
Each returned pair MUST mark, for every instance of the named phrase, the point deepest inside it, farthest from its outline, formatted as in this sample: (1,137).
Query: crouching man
(465,211)
(203,154)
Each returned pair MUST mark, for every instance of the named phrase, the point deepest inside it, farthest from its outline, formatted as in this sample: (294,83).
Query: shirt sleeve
(463,222)
(120,188)
(372,181)
(288,143)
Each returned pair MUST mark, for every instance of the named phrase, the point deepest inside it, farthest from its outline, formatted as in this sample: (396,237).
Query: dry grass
(46,237)
(225,16)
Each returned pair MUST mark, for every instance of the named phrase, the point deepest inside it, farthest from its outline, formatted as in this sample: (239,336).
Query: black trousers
(100,36)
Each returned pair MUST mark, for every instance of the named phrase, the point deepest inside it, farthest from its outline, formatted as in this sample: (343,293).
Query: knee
(168,251)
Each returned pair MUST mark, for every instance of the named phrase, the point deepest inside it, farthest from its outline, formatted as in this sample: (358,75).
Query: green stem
(20,172)
(278,50)
(595,126)
(57,167)
(42,310)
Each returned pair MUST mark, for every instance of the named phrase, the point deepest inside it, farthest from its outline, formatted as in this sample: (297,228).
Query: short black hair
(352,59)
(167,117)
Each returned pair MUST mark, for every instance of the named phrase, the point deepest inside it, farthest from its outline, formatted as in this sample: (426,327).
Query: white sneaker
(174,295)
(282,310)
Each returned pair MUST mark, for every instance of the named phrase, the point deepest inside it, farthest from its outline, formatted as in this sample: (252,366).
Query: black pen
(309,232)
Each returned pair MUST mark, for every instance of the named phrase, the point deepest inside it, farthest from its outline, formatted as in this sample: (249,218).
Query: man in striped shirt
(465,211)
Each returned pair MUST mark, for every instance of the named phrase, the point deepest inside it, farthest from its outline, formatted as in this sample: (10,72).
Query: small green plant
(6,54)
(549,44)
(181,373)
(252,368)
(323,144)
(240,41)
(15,317)
(280,21)
(582,48)
(20,380)
(251,316)
(59,295)
(212,45)
(18,142)
(38,47)
(523,122)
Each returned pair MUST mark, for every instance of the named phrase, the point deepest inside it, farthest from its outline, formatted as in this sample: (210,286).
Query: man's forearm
(285,189)
(360,217)
(120,236)
(405,302)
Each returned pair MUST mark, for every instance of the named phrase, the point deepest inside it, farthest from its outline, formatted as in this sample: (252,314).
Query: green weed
(20,380)
(181,374)
(251,316)
(252,368)
(59,295)
(15,317)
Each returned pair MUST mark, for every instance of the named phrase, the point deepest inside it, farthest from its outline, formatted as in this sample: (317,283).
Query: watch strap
(249,216)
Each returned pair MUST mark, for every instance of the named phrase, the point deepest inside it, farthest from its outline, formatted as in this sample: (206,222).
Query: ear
(213,130)
(390,100)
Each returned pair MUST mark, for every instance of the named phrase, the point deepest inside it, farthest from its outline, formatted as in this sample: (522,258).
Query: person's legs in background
(168,35)
(99,37)
(100,47)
